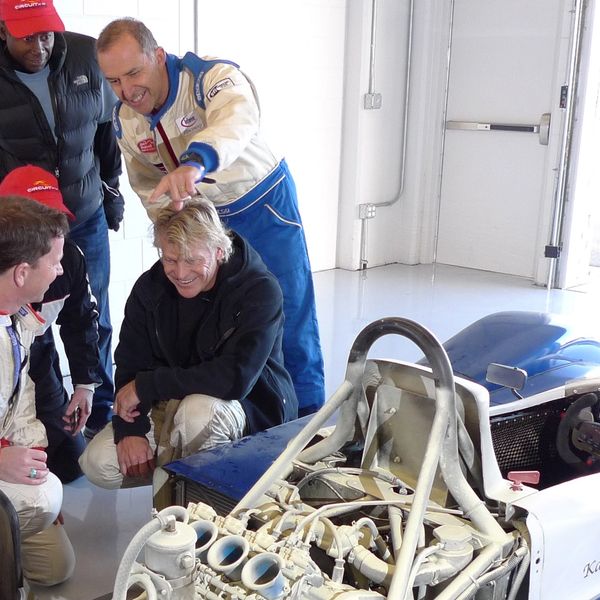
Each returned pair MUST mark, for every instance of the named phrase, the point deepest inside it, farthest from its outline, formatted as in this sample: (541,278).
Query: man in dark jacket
(55,111)
(69,303)
(199,360)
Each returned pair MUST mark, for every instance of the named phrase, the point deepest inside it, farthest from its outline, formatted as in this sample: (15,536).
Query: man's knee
(36,506)
(204,421)
(99,461)
(48,557)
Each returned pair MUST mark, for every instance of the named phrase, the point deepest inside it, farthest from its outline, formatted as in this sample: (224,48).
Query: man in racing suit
(69,302)
(31,244)
(191,126)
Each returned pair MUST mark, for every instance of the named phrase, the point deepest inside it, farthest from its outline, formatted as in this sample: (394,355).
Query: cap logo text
(41,186)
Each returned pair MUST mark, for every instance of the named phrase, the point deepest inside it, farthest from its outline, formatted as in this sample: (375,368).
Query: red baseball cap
(36,184)
(26,17)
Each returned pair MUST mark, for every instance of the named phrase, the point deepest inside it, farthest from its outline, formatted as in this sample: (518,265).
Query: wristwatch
(191,157)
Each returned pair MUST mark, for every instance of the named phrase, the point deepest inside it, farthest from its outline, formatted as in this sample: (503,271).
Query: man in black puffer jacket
(55,110)
(199,358)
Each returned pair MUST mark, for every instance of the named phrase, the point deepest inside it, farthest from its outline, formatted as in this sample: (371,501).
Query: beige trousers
(48,557)
(179,428)
(46,552)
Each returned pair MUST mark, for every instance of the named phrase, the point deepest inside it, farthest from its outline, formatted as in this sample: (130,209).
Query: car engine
(401,498)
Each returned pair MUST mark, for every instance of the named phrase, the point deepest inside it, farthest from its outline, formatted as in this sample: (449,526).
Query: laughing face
(139,80)
(193,272)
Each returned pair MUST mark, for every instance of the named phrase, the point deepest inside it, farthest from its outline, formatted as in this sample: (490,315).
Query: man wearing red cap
(31,247)
(55,112)
(68,301)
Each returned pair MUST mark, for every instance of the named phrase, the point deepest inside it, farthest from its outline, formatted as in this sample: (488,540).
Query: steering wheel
(578,413)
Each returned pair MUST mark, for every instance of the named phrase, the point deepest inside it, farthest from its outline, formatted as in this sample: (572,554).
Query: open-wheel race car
(422,480)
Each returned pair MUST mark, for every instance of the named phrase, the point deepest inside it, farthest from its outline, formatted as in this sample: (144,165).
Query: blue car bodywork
(546,346)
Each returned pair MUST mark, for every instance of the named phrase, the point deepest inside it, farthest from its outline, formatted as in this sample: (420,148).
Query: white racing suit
(46,553)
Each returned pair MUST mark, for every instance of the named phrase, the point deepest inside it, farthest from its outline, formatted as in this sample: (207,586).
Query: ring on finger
(32,473)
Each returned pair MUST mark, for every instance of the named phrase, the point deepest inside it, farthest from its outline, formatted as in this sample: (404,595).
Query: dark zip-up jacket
(85,150)
(68,302)
(236,352)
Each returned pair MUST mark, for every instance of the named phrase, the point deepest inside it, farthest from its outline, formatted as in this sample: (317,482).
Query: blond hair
(197,221)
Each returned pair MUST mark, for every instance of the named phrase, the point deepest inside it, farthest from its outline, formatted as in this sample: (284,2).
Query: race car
(426,480)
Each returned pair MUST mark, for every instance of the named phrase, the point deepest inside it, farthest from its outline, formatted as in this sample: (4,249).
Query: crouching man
(199,359)
(31,248)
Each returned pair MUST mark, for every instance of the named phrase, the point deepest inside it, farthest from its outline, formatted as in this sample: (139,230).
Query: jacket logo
(190,123)
(80,80)
(147,146)
(220,85)
(189,120)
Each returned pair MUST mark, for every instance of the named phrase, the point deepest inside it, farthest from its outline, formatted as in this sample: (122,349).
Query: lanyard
(16,352)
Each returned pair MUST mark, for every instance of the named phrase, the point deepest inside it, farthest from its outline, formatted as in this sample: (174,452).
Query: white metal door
(508,64)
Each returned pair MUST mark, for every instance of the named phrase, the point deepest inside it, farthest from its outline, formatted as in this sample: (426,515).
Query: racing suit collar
(173,65)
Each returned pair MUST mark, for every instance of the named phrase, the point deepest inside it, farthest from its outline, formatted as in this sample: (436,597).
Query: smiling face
(193,272)
(139,80)
(33,52)
(38,277)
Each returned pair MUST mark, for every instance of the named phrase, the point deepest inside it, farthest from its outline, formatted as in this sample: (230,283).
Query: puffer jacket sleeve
(78,320)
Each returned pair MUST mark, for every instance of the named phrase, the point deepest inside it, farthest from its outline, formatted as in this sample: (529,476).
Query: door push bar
(542,128)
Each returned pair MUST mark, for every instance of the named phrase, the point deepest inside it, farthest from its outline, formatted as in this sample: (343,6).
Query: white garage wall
(293,51)
(310,62)
(371,143)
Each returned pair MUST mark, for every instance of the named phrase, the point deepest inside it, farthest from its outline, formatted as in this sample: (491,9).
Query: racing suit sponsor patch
(220,85)
(189,123)
(147,146)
